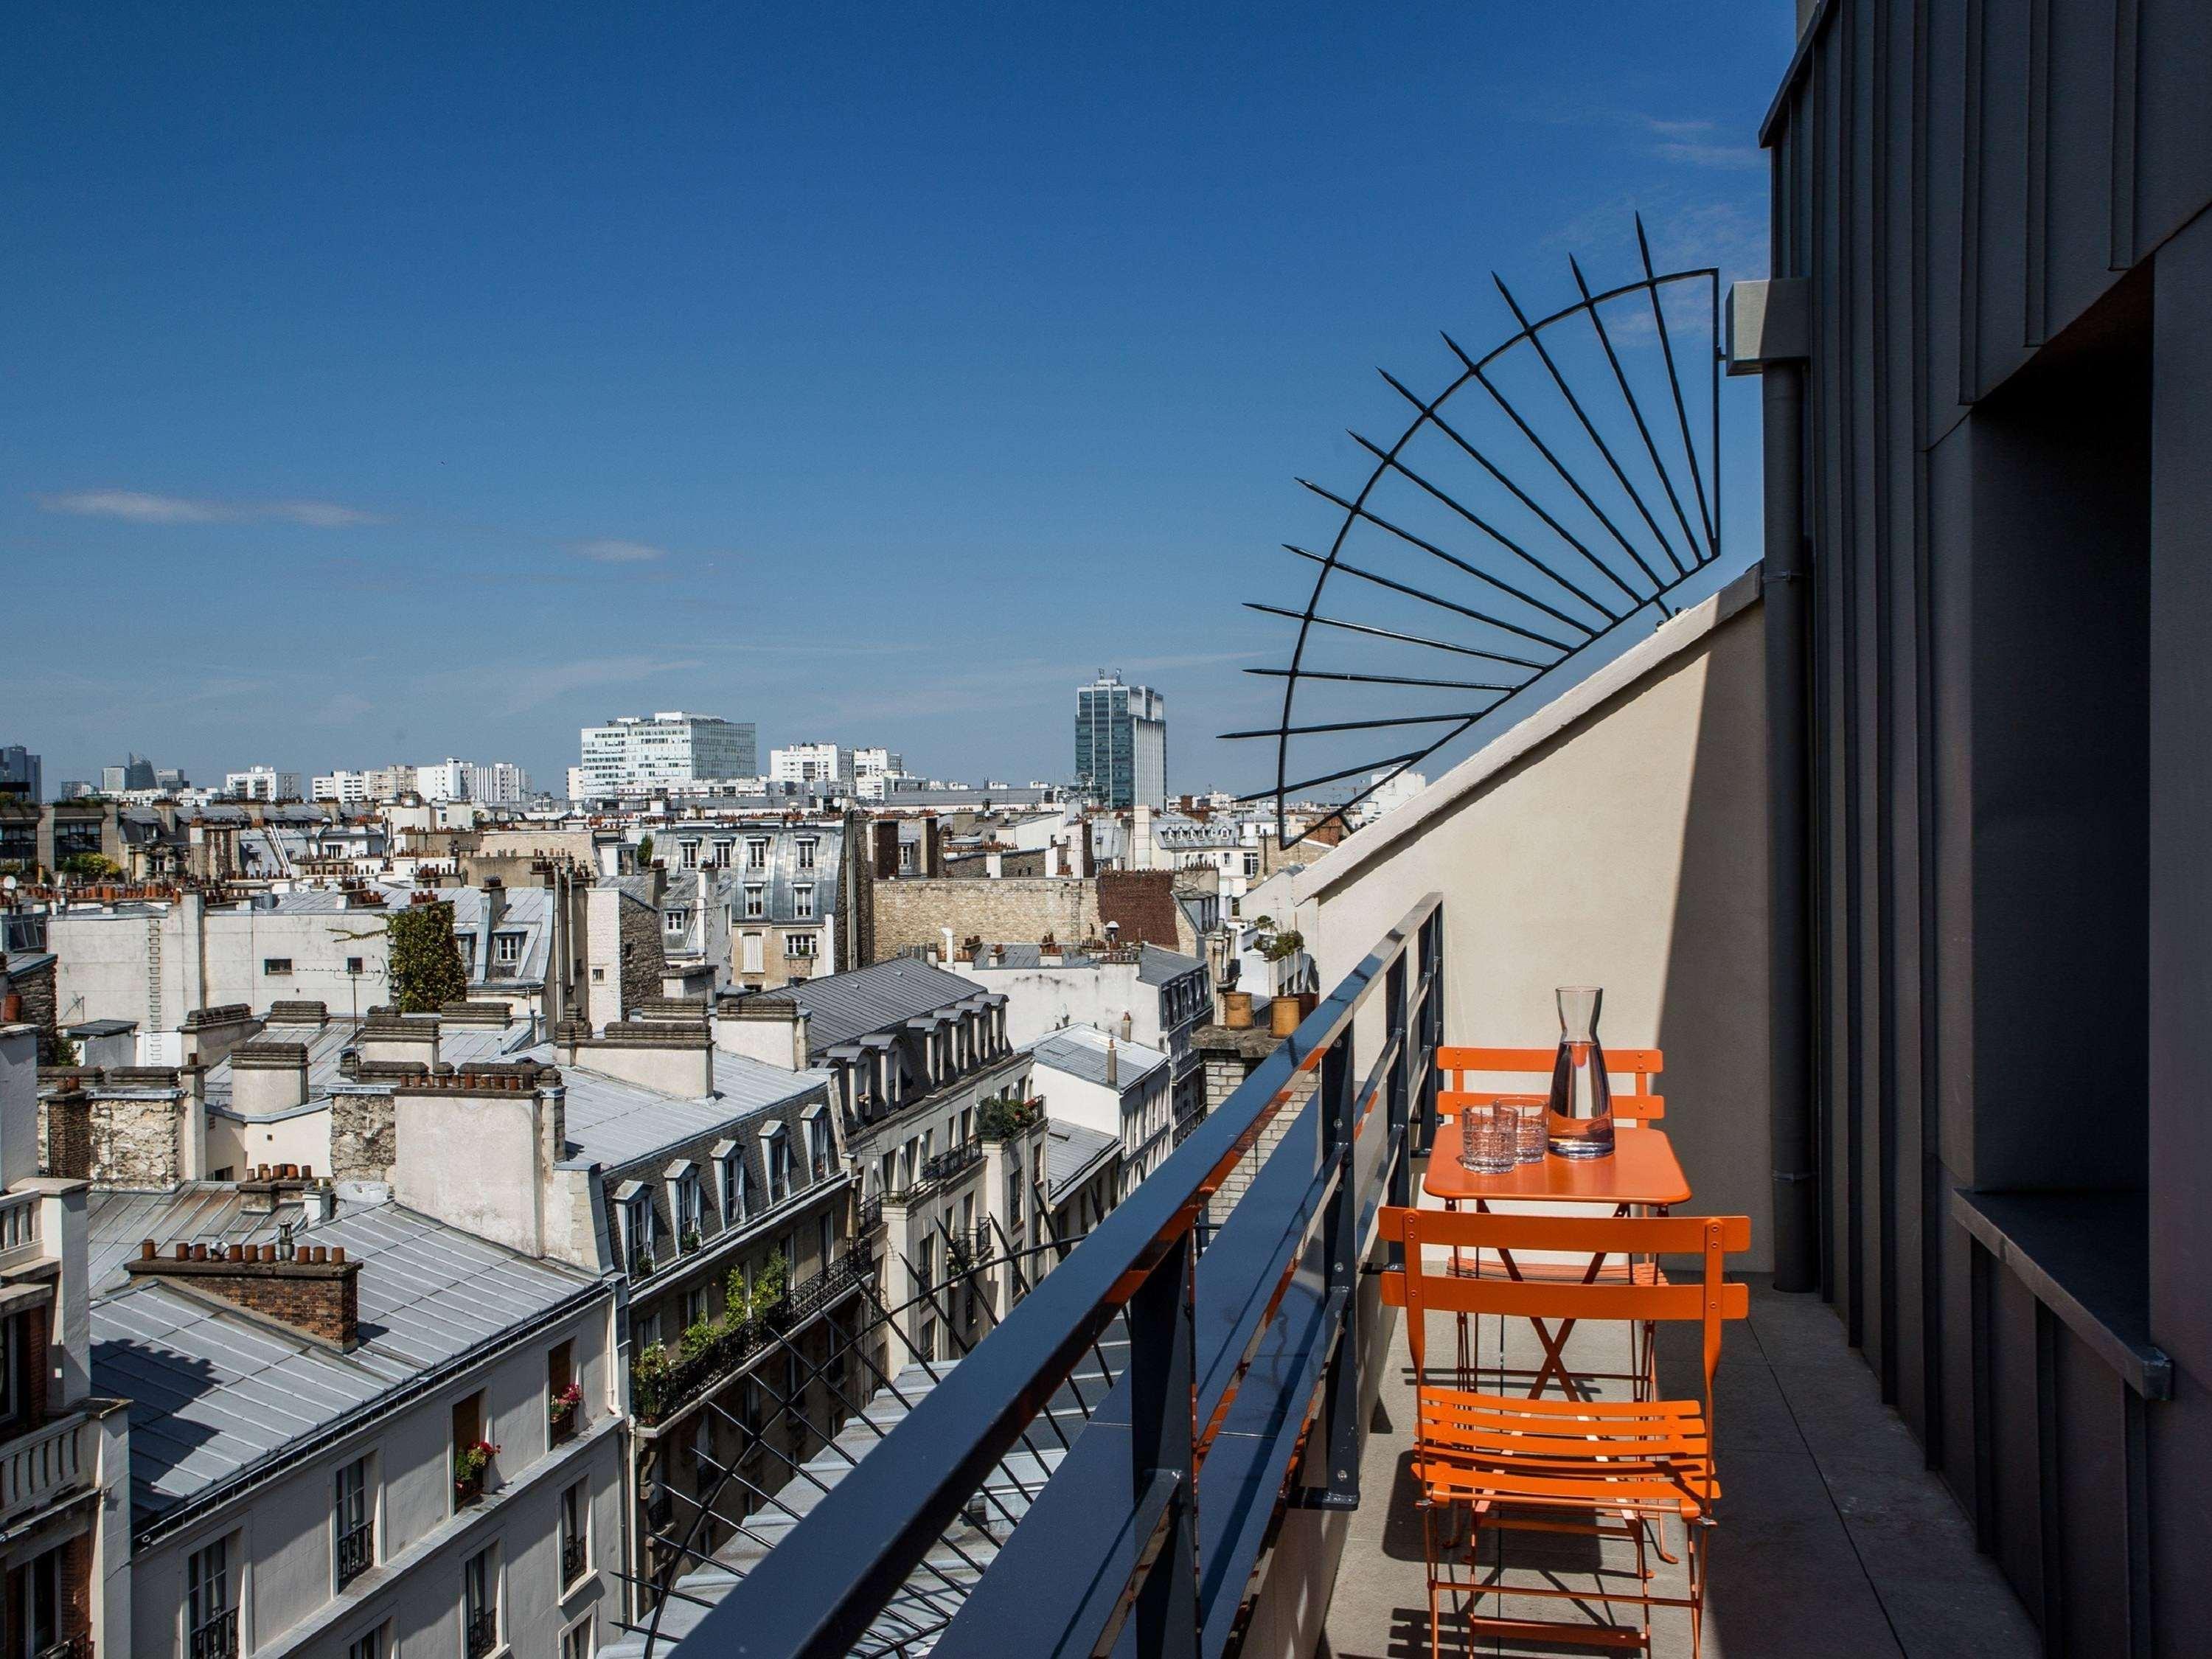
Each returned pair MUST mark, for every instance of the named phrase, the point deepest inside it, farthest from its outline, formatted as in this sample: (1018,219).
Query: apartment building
(636,752)
(64,1448)
(261,783)
(356,1430)
(939,1126)
(1155,998)
(757,904)
(1112,1085)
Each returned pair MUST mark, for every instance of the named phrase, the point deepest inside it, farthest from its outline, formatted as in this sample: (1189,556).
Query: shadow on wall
(1713,1007)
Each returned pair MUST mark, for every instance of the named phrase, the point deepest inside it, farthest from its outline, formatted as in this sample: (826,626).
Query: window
(564,1399)
(276,965)
(471,1451)
(1251,865)
(806,846)
(704,1469)
(38,1592)
(353,966)
(210,1609)
(506,950)
(695,1306)
(756,903)
(778,1167)
(734,1186)
(818,1146)
(689,1214)
(371,1644)
(638,1230)
(802,900)
(480,1604)
(675,919)
(645,1331)
(575,1534)
(576,1641)
(722,855)
(749,961)
(799,945)
(355,1522)
(756,853)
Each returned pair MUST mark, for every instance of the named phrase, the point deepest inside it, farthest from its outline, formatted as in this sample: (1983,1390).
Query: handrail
(1193,1335)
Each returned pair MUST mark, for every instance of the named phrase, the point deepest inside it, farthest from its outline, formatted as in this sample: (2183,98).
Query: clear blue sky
(386,382)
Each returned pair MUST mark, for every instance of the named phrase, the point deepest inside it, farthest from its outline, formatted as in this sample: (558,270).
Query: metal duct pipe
(1787,597)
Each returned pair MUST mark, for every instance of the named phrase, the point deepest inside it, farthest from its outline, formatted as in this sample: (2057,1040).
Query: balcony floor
(1834,1539)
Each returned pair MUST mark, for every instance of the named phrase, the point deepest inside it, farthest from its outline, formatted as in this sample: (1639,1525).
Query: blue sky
(390,382)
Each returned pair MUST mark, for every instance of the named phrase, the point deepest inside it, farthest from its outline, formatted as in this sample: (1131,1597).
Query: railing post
(1163,1445)
(1431,1024)
(1405,1032)
(1339,1237)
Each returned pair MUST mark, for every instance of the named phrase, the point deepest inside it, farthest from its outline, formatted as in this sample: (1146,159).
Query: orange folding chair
(1606,1468)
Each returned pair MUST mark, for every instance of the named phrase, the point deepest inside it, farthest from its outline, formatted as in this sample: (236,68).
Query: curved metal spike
(1709,517)
(1390,633)
(1642,429)
(1411,592)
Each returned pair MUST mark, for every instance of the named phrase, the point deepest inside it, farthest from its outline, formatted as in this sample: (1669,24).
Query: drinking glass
(1531,1130)
(1488,1142)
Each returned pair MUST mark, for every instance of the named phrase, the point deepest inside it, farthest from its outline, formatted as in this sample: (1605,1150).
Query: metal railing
(658,1400)
(572,1561)
(1236,1360)
(356,1552)
(484,1633)
(935,1172)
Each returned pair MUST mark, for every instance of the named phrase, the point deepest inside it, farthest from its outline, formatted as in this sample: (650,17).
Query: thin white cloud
(1671,129)
(1732,157)
(608,550)
(137,506)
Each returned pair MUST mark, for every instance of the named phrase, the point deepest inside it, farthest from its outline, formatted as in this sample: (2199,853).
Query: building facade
(258,783)
(1121,743)
(21,773)
(636,752)
(1987,361)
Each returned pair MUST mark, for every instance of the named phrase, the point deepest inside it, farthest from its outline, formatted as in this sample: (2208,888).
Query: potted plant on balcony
(563,1409)
(470,1463)
(692,1240)
(649,1382)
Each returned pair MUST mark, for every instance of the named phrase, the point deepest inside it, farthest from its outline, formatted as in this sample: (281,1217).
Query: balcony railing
(572,1561)
(658,1398)
(78,1646)
(939,1171)
(42,1464)
(484,1633)
(356,1553)
(1258,1339)
(19,1230)
(217,1638)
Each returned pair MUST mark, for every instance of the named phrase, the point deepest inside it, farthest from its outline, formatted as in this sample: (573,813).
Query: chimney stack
(772,1029)
(314,1291)
(267,1077)
(1112,1065)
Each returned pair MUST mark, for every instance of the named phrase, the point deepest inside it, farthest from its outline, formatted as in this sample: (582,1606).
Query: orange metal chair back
(1637,1103)
(1421,1287)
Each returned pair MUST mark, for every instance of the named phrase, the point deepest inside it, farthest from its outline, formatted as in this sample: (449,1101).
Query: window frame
(198,1620)
(363,1500)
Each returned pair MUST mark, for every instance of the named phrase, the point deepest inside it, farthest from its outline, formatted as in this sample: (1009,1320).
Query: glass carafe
(1582,1097)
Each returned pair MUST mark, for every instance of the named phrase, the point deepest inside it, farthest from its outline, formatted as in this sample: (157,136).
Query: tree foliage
(426,960)
(91,866)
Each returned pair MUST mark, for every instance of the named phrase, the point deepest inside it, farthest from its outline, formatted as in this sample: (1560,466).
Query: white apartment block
(808,762)
(636,751)
(347,788)
(445,780)
(502,783)
(261,783)
(870,770)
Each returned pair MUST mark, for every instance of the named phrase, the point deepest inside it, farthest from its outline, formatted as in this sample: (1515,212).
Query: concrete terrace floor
(1834,1539)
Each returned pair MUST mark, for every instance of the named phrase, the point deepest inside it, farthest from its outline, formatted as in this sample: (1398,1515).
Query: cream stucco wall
(1616,837)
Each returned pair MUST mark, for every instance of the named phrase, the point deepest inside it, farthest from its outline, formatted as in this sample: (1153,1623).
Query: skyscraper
(1121,742)
(633,752)
(19,772)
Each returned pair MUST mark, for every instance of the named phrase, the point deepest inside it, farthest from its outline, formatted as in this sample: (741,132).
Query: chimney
(477,1149)
(932,847)
(392,1038)
(883,834)
(313,1289)
(769,1028)
(69,1134)
(209,1034)
(495,903)
(668,1058)
(998,956)
(267,1077)
(945,958)
(1049,954)
(1112,1065)
(1126,1023)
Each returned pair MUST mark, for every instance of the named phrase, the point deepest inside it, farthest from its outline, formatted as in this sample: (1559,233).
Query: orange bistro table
(1642,1172)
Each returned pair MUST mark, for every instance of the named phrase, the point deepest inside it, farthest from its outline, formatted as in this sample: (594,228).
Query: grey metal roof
(1072,1152)
(214,1392)
(1025,954)
(1080,1051)
(844,1007)
(210,1212)
(617,1123)
(1156,967)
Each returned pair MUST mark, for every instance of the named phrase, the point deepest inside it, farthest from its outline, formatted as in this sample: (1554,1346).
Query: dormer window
(633,1199)
(756,853)
(806,846)
(816,1126)
(729,1159)
(776,1145)
(684,1203)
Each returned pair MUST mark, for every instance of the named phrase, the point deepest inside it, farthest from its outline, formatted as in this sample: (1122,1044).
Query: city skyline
(368,339)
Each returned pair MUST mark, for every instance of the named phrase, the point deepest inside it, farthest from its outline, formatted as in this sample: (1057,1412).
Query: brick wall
(641,957)
(917,911)
(36,986)
(322,1298)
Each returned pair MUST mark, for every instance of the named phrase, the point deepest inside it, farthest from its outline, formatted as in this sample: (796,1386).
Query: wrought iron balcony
(356,1553)
(484,1633)
(217,1638)
(572,1560)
